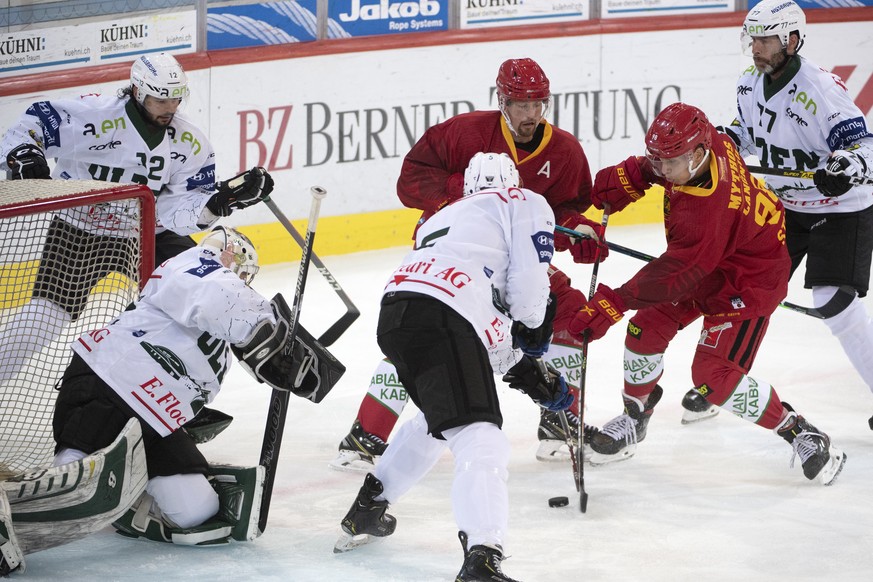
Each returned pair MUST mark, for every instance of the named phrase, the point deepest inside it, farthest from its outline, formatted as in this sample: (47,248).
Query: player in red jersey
(551,162)
(726,260)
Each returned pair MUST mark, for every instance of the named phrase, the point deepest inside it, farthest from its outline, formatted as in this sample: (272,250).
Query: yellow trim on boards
(352,233)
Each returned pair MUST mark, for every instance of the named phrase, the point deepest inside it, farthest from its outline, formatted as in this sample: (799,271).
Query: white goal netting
(73,256)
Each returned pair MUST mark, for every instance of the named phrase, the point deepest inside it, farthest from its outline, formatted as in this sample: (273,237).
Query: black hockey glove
(833,180)
(241,191)
(27,162)
(549,392)
(535,342)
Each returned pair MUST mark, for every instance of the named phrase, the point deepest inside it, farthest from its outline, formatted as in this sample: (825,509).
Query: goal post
(73,255)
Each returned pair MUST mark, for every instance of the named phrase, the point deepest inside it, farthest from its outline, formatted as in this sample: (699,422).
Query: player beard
(526,129)
(773,65)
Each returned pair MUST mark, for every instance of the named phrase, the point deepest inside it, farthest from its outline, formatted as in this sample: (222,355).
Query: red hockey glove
(598,315)
(584,250)
(619,185)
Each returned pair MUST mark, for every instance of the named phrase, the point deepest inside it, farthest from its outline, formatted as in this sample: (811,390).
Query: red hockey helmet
(522,79)
(677,130)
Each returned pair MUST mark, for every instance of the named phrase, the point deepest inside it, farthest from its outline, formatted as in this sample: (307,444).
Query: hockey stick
(835,304)
(580,477)
(342,324)
(278,409)
(854,180)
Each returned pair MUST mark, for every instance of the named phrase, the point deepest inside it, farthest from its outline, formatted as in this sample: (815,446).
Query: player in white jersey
(162,362)
(796,116)
(479,264)
(137,136)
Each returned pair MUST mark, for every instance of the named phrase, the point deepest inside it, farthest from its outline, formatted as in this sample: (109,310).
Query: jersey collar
(151,135)
(773,86)
(507,135)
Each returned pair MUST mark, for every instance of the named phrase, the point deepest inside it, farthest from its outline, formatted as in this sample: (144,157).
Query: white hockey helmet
(489,171)
(235,250)
(773,18)
(160,76)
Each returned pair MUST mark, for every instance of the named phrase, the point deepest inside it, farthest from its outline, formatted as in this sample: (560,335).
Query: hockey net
(74,254)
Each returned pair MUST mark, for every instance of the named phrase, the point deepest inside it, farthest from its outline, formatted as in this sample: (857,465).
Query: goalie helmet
(160,76)
(773,18)
(677,131)
(488,171)
(235,250)
(522,79)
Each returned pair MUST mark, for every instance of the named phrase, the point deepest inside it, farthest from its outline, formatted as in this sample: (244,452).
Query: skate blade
(832,470)
(598,460)
(351,462)
(552,451)
(348,542)
(689,417)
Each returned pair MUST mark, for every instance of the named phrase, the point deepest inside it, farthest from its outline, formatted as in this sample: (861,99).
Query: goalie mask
(773,18)
(489,171)
(675,134)
(159,76)
(235,250)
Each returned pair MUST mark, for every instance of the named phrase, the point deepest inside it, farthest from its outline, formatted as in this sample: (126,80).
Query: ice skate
(821,461)
(553,438)
(695,407)
(366,519)
(358,451)
(481,562)
(617,440)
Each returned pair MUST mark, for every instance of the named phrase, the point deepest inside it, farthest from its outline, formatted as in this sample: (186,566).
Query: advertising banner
(368,17)
(626,8)
(263,23)
(485,13)
(95,43)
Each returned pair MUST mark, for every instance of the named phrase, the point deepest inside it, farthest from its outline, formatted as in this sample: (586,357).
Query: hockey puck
(559,502)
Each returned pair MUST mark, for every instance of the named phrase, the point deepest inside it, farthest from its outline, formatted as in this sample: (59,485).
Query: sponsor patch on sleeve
(847,132)
(51,122)
(544,243)
(204,179)
(206,266)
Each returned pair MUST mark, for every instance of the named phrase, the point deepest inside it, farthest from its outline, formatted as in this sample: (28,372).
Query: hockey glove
(833,180)
(241,191)
(604,310)
(619,185)
(549,392)
(535,341)
(735,137)
(584,250)
(27,162)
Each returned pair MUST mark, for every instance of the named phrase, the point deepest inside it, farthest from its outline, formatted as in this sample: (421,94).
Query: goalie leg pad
(11,556)
(54,506)
(144,520)
(240,490)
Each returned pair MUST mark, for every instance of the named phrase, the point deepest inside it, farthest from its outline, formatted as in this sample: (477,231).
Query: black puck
(559,502)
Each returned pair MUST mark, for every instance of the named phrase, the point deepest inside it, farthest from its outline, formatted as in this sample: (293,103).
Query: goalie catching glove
(241,191)
(297,364)
(549,392)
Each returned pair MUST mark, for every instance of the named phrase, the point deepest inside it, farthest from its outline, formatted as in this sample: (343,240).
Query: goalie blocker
(300,364)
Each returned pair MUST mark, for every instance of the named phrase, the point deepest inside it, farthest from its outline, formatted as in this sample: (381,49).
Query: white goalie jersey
(486,256)
(102,137)
(167,357)
(794,123)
